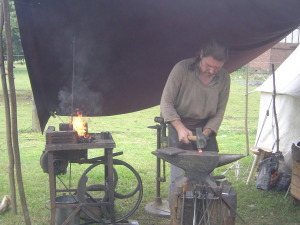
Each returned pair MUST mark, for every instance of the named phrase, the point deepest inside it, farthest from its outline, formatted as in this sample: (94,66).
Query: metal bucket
(62,214)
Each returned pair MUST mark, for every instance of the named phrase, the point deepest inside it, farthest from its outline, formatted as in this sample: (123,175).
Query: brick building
(277,54)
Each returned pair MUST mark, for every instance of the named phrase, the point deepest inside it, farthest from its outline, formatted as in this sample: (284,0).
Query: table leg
(52,184)
(110,183)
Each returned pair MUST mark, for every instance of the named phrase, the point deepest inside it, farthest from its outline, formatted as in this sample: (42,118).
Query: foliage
(15,35)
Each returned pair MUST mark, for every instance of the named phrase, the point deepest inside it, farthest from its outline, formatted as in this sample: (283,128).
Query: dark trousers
(212,144)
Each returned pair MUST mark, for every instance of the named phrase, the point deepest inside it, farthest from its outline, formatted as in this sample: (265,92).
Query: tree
(15,34)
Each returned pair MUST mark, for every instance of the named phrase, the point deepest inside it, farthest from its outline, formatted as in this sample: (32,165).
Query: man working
(196,95)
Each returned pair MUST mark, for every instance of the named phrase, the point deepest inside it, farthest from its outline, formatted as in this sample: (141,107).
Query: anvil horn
(225,159)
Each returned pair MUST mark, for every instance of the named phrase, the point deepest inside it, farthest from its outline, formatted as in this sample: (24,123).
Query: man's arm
(167,103)
(214,122)
(170,94)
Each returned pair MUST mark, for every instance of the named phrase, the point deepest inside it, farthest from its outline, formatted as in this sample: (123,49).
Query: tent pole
(246,110)
(274,110)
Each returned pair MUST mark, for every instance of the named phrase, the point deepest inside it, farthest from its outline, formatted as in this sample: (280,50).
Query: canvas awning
(110,57)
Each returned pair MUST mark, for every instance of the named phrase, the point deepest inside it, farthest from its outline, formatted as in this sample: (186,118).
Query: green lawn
(136,140)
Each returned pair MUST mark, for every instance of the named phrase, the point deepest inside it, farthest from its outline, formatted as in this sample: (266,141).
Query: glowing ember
(200,150)
(79,125)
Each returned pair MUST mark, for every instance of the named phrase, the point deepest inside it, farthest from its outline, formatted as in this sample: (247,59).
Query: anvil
(197,165)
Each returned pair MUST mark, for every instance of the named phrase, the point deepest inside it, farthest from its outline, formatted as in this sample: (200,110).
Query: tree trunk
(14,111)
(11,165)
(35,120)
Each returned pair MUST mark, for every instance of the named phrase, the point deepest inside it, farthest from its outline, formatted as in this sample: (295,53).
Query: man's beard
(206,74)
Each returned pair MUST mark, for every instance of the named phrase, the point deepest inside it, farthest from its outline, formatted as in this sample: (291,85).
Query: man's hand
(182,131)
(207,132)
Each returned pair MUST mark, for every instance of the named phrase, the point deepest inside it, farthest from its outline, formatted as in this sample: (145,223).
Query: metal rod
(158,163)
(73,78)
(203,210)
(195,204)
(208,210)
(184,189)
(52,184)
(209,205)
(70,176)
(263,124)
(228,205)
(67,188)
(235,212)
(182,208)
(198,213)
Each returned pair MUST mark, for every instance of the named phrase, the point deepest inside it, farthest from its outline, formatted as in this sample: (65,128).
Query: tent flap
(287,77)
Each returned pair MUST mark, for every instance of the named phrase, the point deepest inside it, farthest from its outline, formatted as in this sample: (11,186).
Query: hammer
(200,138)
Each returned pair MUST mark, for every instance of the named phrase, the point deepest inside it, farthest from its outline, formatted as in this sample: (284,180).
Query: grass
(132,136)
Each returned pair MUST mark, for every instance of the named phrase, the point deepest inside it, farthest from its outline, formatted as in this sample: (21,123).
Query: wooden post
(13,106)
(246,110)
(11,164)
(274,110)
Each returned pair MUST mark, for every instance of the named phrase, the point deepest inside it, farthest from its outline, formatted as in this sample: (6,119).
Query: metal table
(108,145)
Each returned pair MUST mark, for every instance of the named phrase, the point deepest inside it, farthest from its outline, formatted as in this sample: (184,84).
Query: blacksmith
(196,95)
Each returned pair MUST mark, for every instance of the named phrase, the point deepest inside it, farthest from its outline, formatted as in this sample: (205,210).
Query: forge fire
(79,125)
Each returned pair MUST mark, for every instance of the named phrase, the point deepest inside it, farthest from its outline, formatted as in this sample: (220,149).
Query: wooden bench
(259,155)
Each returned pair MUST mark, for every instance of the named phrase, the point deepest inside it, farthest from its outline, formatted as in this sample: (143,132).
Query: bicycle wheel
(92,188)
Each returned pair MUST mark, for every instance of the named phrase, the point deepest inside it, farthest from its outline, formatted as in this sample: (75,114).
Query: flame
(79,125)
(200,150)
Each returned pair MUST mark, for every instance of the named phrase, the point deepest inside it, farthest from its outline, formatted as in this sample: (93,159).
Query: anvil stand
(197,167)
(159,207)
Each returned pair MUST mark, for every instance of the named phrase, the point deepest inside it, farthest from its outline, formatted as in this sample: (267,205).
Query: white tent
(287,102)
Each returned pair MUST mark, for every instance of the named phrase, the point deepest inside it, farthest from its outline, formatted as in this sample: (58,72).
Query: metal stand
(200,205)
(159,207)
(108,144)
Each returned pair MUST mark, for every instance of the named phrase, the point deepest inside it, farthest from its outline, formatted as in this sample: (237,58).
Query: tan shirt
(185,97)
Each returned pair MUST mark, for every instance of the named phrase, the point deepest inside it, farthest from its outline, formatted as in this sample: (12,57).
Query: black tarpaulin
(107,57)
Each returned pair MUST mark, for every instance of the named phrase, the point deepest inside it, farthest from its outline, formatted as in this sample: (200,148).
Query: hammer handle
(192,138)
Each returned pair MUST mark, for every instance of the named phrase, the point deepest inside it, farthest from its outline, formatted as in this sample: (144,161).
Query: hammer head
(201,138)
